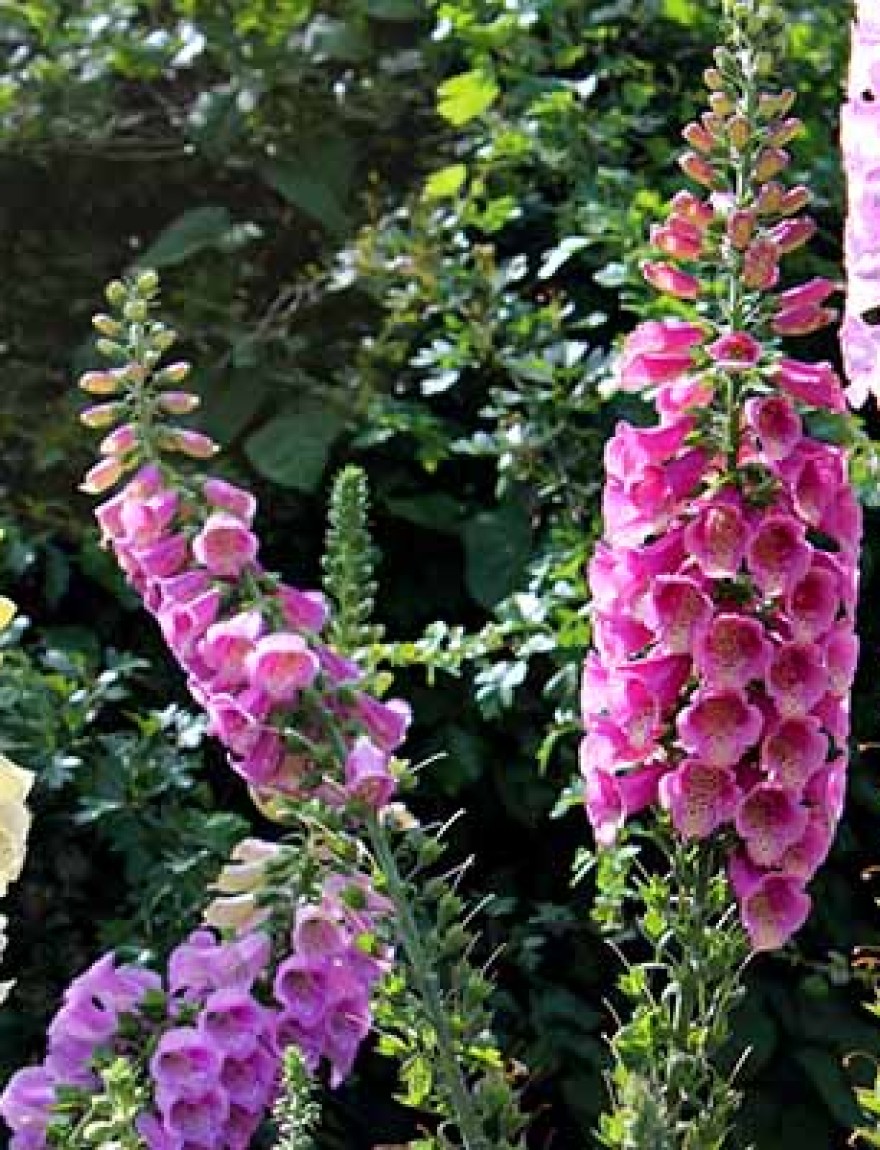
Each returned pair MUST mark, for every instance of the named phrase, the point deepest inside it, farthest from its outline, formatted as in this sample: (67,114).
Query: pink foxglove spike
(860,142)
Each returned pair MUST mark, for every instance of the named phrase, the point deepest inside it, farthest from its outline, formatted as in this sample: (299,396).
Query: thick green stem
(426,984)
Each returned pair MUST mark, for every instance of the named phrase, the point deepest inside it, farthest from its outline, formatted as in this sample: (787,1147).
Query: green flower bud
(106,325)
(147,284)
(135,311)
(116,293)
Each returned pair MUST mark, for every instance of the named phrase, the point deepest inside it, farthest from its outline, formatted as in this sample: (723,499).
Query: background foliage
(409,236)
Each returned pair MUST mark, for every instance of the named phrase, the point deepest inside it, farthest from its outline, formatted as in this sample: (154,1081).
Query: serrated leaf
(418,1077)
(292,449)
(464,97)
(192,232)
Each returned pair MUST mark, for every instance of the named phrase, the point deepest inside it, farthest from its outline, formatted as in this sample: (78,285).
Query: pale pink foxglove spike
(860,143)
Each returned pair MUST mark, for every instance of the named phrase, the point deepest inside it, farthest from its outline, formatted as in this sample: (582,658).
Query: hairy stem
(426,984)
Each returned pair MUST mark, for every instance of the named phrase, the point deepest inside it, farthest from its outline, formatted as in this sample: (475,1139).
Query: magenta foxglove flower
(777,426)
(724,585)
(225,545)
(217,1046)
(282,665)
(700,798)
(736,351)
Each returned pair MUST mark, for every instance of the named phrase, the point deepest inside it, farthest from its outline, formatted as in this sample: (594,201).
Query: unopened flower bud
(101,415)
(784,132)
(147,283)
(671,280)
(770,163)
(740,228)
(135,311)
(106,325)
(102,476)
(795,200)
(690,207)
(239,913)
(173,373)
(771,106)
(699,169)
(724,59)
(770,199)
(191,443)
(803,320)
(120,441)
(713,124)
(698,138)
(178,402)
(739,132)
(116,293)
(163,340)
(721,104)
(792,234)
(761,265)
(678,238)
(100,382)
(111,349)
(713,79)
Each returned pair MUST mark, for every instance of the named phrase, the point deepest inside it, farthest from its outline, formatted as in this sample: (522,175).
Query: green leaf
(231,401)
(192,232)
(310,192)
(683,11)
(464,97)
(418,1076)
(393,9)
(331,39)
(445,183)
(435,511)
(497,545)
(828,1079)
(292,449)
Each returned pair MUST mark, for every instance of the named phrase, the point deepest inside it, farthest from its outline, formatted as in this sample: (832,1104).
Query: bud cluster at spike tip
(724,586)
(288,709)
(207,1041)
(860,144)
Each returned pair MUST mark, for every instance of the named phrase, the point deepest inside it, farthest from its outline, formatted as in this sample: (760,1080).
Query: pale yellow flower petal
(7,611)
(15,781)
(239,913)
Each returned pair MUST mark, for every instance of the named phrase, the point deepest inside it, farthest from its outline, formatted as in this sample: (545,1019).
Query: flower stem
(427,986)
